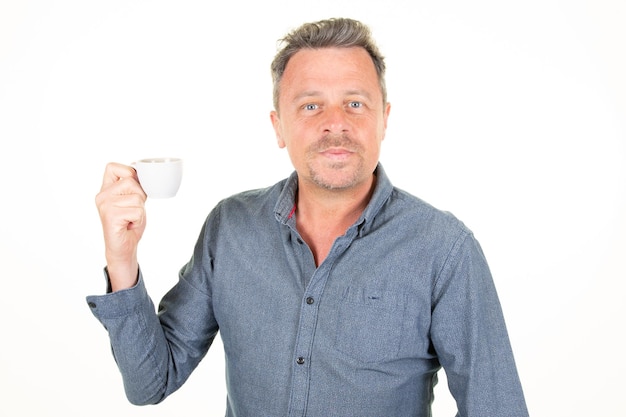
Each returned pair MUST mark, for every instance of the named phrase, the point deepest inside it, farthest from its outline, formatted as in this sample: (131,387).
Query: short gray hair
(328,33)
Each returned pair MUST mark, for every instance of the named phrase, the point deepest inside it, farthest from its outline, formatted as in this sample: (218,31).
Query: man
(335,293)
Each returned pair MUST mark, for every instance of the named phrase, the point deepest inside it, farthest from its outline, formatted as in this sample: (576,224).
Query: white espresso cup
(159,177)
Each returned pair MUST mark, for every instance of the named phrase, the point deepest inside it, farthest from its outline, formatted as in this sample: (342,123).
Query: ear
(277,128)
(385,117)
(386,113)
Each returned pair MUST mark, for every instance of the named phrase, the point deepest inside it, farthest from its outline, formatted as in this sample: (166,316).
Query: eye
(310,106)
(355,104)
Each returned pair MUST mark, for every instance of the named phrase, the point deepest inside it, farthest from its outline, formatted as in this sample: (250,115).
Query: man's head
(336,32)
(330,106)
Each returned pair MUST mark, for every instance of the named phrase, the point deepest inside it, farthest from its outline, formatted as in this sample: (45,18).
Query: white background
(509,114)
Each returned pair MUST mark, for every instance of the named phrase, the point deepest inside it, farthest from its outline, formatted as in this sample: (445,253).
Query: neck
(324,215)
(333,204)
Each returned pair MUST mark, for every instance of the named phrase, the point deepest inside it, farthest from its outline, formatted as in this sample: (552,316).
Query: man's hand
(121,205)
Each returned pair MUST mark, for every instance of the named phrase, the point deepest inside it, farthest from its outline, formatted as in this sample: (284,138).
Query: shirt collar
(286,204)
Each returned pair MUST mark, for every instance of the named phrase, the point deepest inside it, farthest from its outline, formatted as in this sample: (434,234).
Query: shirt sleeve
(156,352)
(470,337)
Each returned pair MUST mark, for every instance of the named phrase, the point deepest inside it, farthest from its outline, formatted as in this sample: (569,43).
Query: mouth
(336,154)
(337,149)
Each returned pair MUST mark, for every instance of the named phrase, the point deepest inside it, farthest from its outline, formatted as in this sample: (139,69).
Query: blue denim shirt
(404,292)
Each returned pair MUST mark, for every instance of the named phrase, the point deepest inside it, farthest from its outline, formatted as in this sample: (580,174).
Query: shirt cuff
(119,303)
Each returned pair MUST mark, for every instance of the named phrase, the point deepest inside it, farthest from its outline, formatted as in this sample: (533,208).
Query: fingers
(120,189)
(115,172)
(121,206)
(121,211)
(120,179)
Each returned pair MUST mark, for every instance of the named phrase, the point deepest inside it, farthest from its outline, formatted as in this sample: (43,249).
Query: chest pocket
(369,324)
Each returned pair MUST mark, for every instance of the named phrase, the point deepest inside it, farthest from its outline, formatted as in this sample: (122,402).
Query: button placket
(306,330)
(304,342)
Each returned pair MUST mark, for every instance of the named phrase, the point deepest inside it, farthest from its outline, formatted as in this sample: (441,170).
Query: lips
(337,153)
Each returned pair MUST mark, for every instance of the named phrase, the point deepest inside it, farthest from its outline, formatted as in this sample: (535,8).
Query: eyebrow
(315,93)
(305,94)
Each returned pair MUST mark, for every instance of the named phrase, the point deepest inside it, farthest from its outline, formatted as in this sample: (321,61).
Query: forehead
(329,67)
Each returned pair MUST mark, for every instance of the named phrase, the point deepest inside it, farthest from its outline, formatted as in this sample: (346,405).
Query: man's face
(331,116)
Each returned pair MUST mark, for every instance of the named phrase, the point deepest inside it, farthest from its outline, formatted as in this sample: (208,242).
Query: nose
(335,120)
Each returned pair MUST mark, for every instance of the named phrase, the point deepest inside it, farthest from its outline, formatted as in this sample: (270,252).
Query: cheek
(296,134)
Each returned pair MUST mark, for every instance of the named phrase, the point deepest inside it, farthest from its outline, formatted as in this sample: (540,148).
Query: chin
(335,181)
(337,176)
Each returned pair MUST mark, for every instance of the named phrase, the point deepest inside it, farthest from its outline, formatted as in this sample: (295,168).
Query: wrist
(122,276)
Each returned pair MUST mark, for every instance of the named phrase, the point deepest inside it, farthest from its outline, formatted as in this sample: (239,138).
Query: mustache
(332,140)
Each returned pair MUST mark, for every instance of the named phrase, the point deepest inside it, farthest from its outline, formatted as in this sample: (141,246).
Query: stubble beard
(335,175)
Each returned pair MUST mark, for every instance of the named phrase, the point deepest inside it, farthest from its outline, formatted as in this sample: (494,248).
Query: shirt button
(310,300)
(300,360)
